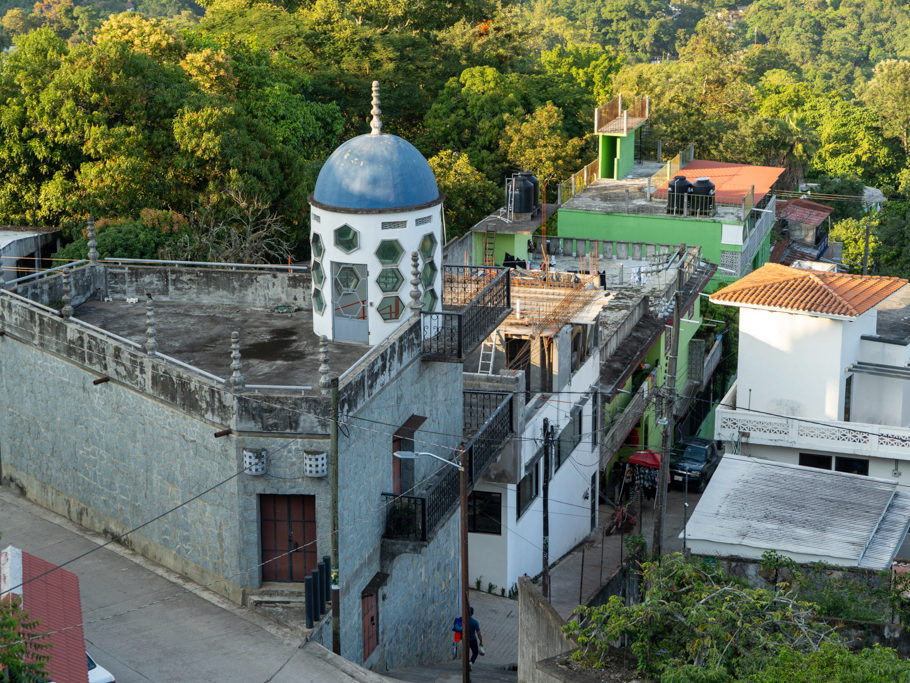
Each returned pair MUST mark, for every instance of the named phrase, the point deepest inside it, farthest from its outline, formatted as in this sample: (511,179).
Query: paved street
(144,627)
(498,618)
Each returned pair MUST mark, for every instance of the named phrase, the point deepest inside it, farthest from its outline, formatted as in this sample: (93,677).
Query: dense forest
(197,131)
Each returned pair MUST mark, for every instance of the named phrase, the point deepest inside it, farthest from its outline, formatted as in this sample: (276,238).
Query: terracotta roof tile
(807,291)
(54,600)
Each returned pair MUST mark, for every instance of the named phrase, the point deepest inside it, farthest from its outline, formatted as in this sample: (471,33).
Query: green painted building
(619,198)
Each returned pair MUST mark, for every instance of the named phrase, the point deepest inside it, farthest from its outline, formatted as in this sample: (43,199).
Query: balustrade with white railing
(743,426)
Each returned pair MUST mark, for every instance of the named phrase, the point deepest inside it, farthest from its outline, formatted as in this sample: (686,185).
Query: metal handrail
(248,266)
(41,273)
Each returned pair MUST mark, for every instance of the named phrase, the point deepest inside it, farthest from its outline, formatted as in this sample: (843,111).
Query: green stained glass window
(318,247)
(389,279)
(346,238)
(428,274)
(389,252)
(428,246)
(429,300)
(318,300)
(390,308)
(318,273)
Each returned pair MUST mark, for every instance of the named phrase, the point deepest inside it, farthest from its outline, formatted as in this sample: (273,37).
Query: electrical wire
(358,523)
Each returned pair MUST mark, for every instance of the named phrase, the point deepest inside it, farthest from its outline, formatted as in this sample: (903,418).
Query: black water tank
(535,188)
(521,194)
(677,189)
(702,202)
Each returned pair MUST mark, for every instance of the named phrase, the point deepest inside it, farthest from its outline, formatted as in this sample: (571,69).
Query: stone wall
(249,286)
(258,288)
(540,633)
(193,393)
(109,458)
(379,367)
(422,586)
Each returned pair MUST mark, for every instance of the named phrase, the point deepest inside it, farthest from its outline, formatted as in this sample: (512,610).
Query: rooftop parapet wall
(257,286)
(188,389)
(380,366)
(120,360)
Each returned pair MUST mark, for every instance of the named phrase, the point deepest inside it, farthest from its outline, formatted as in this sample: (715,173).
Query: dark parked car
(694,460)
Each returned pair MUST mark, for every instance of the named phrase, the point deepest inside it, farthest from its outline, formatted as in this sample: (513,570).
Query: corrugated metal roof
(808,291)
(803,211)
(889,535)
(759,504)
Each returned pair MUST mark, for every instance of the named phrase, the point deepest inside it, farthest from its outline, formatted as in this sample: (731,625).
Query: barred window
(316,218)
(569,438)
(423,220)
(394,225)
(527,491)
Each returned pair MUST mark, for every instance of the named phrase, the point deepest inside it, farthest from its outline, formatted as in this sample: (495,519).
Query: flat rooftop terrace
(276,348)
(637,192)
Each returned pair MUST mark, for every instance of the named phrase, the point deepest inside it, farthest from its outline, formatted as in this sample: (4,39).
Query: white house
(822,372)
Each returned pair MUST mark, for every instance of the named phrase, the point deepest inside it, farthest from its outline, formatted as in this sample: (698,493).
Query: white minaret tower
(375,202)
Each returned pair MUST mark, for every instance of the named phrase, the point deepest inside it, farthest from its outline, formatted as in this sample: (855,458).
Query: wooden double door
(288,536)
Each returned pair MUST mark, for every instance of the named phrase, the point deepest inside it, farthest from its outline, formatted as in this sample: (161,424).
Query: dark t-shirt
(473,628)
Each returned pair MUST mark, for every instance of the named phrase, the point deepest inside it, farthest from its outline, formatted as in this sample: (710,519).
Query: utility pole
(333,486)
(465,609)
(545,583)
(866,252)
(669,401)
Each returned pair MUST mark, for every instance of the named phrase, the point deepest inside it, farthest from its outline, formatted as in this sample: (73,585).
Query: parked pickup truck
(693,461)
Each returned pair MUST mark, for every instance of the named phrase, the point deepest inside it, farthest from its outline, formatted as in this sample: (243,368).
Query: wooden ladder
(489,248)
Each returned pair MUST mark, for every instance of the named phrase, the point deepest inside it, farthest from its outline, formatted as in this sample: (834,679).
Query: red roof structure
(797,290)
(803,211)
(646,458)
(50,595)
(732,182)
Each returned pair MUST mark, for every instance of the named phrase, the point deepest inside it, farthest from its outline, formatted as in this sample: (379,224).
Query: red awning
(646,458)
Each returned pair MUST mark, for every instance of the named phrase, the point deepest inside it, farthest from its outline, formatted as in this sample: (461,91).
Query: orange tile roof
(731,181)
(808,291)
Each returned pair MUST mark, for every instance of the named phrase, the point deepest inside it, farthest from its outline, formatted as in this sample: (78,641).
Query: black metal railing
(484,295)
(479,406)
(406,517)
(442,497)
(416,517)
(481,450)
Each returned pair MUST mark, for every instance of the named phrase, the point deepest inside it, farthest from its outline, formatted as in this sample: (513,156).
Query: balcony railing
(741,426)
(627,420)
(578,181)
(416,517)
(484,295)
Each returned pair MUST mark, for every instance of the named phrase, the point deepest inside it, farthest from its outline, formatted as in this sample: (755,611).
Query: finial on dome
(376,123)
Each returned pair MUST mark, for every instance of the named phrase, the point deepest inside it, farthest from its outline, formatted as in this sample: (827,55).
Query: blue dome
(375,173)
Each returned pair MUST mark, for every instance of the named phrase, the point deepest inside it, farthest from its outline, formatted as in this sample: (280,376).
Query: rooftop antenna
(376,123)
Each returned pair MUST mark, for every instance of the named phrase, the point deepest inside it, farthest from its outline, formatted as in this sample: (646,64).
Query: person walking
(475,637)
(474,640)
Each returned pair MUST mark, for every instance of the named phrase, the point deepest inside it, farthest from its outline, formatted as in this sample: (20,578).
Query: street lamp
(463,505)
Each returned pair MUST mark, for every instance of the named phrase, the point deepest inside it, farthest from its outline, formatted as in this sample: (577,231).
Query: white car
(97,673)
